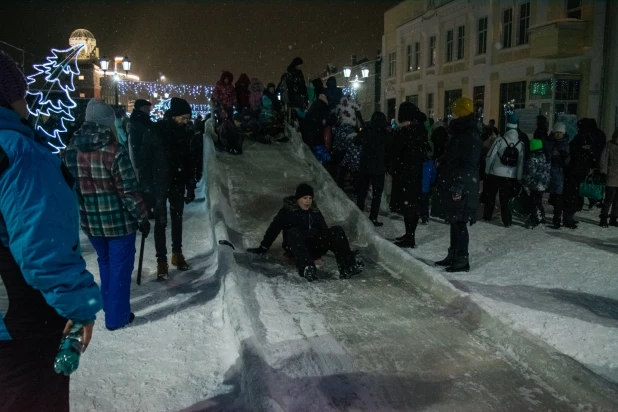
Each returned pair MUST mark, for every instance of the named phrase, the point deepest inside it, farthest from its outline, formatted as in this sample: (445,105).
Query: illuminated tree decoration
(52,104)
(160,109)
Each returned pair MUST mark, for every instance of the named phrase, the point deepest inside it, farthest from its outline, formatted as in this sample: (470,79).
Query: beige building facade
(553,57)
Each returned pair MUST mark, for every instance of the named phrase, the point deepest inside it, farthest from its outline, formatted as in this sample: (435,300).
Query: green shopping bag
(591,188)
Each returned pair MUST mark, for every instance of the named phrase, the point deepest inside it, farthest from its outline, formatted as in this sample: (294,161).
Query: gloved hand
(144,227)
(190,196)
(457,192)
(258,250)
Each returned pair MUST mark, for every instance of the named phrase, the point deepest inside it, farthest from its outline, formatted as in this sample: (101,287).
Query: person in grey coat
(557,149)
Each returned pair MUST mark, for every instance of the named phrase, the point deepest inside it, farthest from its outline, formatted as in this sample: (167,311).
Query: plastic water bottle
(71,348)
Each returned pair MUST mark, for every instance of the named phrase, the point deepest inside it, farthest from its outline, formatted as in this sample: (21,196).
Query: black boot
(461,264)
(557,222)
(613,221)
(407,242)
(400,238)
(352,268)
(532,222)
(309,273)
(449,260)
(376,223)
(569,222)
(603,222)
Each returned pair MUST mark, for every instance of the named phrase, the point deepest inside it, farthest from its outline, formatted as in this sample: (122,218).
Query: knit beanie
(12,81)
(139,103)
(512,121)
(559,127)
(100,113)
(303,190)
(179,107)
(535,145)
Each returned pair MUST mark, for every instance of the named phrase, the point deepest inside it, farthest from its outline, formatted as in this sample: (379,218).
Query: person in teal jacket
(45,288)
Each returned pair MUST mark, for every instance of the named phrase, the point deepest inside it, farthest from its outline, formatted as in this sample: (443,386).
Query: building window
(409,54)
(574,9)
(449,97)
(567,89)
(481,47)
(412,99)
(449,46)
(507,28)
(392,64)
(524,23)
(461,42)
(430,105)
(81,78)
(432,51)
(417,56)
(541,90)
(479,100)
(82,95)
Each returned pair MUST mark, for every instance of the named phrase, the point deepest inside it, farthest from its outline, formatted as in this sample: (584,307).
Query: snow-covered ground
(239,332)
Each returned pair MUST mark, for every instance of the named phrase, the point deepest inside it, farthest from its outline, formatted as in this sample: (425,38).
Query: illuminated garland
(58,73)
(150,88)
(163,106)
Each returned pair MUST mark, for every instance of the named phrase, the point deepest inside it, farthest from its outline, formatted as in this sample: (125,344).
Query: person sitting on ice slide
(306,236)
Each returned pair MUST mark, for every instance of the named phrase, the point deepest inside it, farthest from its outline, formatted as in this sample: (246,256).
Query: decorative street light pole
(347,72)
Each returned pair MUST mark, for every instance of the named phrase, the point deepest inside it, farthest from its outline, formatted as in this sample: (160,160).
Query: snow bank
(532,353)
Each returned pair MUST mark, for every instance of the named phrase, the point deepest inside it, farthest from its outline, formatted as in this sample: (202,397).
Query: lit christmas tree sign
(52,104)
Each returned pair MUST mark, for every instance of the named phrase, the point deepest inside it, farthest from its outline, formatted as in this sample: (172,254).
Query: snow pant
(116,258)
(28,382)
(411,222)
(460,238)
(177,207)
(504,186)
(306,246)
(377,184)
(611,201)
(536,198)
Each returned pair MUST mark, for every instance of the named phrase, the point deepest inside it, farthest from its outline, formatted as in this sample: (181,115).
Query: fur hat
(179,106)
(559,127)
(100,113)
(12,81)
(303,190)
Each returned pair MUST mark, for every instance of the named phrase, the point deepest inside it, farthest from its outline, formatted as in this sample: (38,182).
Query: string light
(59,72)
(194,91)
(163,106)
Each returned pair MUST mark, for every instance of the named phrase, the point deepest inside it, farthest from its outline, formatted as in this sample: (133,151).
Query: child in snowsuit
(536,179)
(306,236)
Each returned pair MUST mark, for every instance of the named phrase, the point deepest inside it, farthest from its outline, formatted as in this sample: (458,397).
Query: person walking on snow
(458,184)
(139,124)
(306,236)
(373,141)
(609,168)
(536,178)
(504,168)
(45,288)
(167,173)
(409,150)
(557,148)
(112,209)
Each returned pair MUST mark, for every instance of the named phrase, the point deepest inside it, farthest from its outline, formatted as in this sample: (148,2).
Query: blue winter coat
(39,237)
(559,161)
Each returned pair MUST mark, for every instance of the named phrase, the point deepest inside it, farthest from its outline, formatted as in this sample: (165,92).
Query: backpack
(510,156)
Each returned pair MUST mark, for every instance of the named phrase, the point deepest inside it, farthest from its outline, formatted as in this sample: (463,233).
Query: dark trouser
(425,206)
(177,206)
(460,237)
(377,184)
(28,382)
(556,201)
(411,222)
(571,200)
(309,245)
(116,258)
(492,185)
(611,201)
(537,204)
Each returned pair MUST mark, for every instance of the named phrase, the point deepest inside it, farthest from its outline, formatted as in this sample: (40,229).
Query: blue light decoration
(350,91)
(144,89)
(55,101)
(163,106)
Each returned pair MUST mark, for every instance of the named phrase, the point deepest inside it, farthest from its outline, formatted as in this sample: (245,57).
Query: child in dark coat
(306,236)
(536,179)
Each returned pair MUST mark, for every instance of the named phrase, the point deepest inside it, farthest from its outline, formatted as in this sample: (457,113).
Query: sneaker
(179,261)
(309,273)
(356,268)
(162,270)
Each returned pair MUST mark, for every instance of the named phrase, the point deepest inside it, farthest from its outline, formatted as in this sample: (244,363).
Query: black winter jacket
(296,87)
(139,124)
(373,154)
(166,163)
(409,150)
(291,216)
(314,123)
(459,171)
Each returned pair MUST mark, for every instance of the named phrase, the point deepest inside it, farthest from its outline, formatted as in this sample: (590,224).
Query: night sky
(193,41)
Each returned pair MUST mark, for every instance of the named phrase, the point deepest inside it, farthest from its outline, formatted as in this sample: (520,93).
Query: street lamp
(104,62)
(347,72)
(162,78)
(116,80)
(166,95)
(365,71)
(126,65)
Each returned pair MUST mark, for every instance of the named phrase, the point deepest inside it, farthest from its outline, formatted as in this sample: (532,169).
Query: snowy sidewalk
(559,285)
